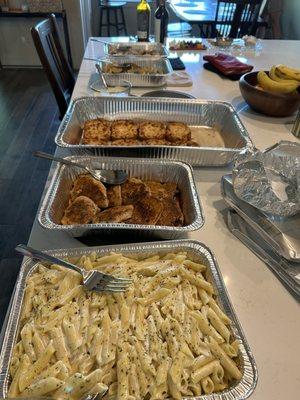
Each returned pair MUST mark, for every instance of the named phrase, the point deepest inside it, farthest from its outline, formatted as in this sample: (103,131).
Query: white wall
(16,46)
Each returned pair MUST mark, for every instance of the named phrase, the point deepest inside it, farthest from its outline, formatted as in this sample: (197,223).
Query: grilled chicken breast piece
(86,185)
(81,211)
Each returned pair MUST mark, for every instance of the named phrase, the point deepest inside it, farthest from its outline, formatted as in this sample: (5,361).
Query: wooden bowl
(272,104)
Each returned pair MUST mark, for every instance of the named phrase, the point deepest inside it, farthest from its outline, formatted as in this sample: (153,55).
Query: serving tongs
(93,280)
(109,177)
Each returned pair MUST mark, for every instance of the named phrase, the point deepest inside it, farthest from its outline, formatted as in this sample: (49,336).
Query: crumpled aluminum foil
(270,180)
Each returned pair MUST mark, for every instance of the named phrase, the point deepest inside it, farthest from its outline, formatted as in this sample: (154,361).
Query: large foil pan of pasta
(172,335)
(159,199)
(199,132)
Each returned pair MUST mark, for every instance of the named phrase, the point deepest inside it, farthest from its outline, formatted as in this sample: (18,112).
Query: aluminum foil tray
(193,112)
(270,180)
(57,197)
(281,233)
(138,80)
(198,252)
(287,272)
(115,49)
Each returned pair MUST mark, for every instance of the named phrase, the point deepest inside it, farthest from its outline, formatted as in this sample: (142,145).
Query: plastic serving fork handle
(39,255)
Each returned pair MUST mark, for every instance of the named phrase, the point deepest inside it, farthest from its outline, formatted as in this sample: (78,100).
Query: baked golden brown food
(171,214)
(162,190)
(125,142)
(81,211)
(96,131)
(149,133)
(115,214)
(86,185)
(152,130)
(147,211)
(192,143)
(178,132)
(133,202)
(124,129)
(156,142)
(132,190)
(114,195)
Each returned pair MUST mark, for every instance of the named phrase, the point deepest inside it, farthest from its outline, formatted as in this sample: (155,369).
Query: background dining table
(202,11)
(268,313)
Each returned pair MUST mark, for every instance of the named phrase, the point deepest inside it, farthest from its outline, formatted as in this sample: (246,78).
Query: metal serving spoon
(103,175)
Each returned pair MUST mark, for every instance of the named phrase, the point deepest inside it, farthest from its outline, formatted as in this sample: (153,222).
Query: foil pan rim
(45,221)
(241,390)
(165,51)
(59,139)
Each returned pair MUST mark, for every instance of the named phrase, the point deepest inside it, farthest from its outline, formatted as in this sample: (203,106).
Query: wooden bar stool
(112,8)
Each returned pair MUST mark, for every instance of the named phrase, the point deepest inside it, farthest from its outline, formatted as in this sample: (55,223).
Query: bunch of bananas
(281,79)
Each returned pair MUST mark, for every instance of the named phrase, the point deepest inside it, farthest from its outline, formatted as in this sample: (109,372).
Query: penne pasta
(165,337)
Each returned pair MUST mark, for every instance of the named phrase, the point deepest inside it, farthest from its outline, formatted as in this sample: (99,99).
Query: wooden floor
(28,122)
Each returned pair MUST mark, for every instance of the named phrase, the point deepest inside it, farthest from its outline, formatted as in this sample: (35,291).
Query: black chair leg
(116,22)
(123,21)
(108,22)
(101,21)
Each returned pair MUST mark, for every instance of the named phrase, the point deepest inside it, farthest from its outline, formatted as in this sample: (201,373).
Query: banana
(275,87)
(273,74)
(285,72)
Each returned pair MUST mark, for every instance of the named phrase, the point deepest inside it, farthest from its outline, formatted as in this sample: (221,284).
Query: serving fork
(111,177)
(93,280)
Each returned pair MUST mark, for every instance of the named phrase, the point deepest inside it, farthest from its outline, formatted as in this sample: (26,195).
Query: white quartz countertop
(267,312)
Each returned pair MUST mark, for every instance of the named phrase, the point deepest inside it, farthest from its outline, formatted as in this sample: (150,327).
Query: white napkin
(179,78)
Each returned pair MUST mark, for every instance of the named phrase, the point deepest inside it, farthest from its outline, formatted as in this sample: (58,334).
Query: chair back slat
(235,18)
(49,48)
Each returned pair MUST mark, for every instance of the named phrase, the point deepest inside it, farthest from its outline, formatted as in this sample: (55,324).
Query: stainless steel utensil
(106,176)
(98,40)
(101,75)
(92,280)
(296,126)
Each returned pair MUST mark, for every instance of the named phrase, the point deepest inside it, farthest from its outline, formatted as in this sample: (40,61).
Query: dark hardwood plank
(28,122)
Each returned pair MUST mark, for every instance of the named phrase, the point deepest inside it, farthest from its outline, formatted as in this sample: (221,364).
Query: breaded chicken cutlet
(178,132)
(132,190)
(81,211)
(114,195)
(116,214)
(86,185)
(96,131)
(133,202)
(152,130)
(125,142)
(162,190)
(171,214)
(124,129)
(147,211)
(156,142)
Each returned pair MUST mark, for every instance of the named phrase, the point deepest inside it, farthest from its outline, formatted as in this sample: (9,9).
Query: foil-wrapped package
(270,180)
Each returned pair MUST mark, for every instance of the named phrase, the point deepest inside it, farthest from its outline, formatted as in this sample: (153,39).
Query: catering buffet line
(173,333)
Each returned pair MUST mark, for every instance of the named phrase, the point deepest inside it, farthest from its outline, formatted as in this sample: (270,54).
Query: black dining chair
(48,45)
(235,18)
(249,21)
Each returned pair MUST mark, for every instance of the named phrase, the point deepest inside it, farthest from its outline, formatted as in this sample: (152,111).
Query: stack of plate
(275,240)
